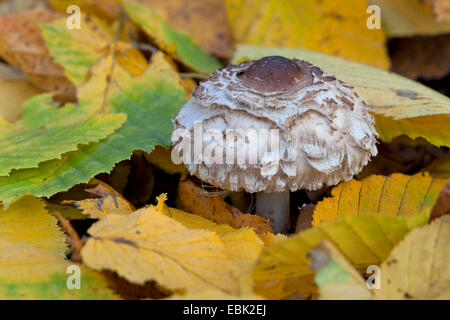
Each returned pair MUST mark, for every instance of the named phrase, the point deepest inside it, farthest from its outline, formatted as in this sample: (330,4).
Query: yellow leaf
(418,267)
(215,295)
(364,240)
(329,26)
(26,221)
(109,201)
(335,276)
(396,195)
(440,168)
(242,245)
(400,105)
(147,245)
(29,272)
(269,238)
(14,91)
(405,18)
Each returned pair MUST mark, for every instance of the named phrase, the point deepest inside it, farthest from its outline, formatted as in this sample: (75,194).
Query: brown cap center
(275,73)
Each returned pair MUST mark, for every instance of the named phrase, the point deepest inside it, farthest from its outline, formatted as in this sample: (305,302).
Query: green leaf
(77,50)
(172,41)
(149,101)
(401,106)
(46,131)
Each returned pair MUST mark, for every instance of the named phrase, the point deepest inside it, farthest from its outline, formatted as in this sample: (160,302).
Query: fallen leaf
(161,158)
(14,6)
(33,273)
(176,43)
(77,50)
(335,276)
(22,46)
(396,195)
(147,245)
(205,21)
(47,131)
(149,101)
(26,221)
(401,19)
(328,26)
(421,57)
(442,205)
(441,9)
(364,240)
(106,9)
(109,201)
(400,105)
(440,168)
(14,91)
(417,267)
(193,199)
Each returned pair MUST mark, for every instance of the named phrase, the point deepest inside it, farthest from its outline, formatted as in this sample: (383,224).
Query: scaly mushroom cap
(326,134)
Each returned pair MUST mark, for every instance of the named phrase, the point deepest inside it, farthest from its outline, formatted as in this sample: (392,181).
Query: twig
(74,238)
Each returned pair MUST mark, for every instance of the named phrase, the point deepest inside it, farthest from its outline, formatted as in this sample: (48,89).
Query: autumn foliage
(87,180)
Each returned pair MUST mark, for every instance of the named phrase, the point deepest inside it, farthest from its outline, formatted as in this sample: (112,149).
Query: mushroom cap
(326,134)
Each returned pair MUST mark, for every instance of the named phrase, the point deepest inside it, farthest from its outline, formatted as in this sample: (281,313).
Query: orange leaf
(193,199)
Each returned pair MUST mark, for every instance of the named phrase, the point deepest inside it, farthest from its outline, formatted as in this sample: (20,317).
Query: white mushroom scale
(326,134)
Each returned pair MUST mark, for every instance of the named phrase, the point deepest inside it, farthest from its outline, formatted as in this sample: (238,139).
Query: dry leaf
(14,91)
(22,45)
(147,245)
(193,199)
(335,276)
(364,240)
(404,18)
(418,267)
(109,201)
(205,21)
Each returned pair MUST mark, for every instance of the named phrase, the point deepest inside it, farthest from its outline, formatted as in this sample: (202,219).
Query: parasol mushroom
(325,133)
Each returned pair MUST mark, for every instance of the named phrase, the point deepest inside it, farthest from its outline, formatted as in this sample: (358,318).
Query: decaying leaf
(335,276)
(414,17)
(109,201)
(147,245)
(177,44)
(22,45)
(149,101)
(328,26)
(442,205)
(396,195)
(417,267)
(193,199)
(364,240)
(107,9)
(441,9)
(400,105)
(205,21)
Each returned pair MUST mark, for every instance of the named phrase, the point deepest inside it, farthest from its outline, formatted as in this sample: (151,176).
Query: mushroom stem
(275,207)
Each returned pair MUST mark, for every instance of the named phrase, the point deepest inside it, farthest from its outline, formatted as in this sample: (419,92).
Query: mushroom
(323,132)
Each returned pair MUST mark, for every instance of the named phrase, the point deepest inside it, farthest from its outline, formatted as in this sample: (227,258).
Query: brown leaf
(442,204)
(193,199)
(22,46)
(421,57)
(305,217)
(205,21)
